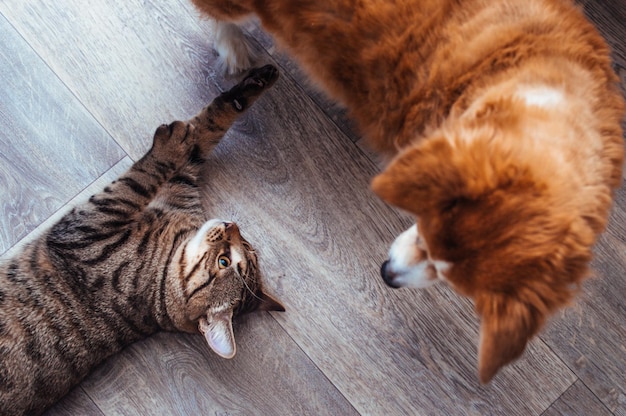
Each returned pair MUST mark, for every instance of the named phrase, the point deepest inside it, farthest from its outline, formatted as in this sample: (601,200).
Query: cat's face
(220,279)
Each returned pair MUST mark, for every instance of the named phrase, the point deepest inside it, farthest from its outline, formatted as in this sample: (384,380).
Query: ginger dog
(501,121)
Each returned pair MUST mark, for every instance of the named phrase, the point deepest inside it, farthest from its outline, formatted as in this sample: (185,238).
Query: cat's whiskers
(248,287)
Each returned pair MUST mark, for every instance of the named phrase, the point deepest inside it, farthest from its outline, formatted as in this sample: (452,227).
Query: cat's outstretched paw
(216,118)
(242,95)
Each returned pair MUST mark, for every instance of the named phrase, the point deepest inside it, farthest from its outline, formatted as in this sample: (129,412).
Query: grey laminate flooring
(83,84)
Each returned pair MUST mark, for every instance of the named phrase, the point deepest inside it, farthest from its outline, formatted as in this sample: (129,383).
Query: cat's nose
(230,228)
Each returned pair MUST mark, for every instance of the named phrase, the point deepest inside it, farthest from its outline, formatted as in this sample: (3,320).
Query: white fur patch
(236,256)
(408,262)
(195,247)
(232,46)
(404,250)
(442,268)
(541,96)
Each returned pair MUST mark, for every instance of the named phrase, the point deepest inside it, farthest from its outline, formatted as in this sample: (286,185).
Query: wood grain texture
(76,402)
(44,159)
(577,401)
(138,64)
(177,374)
(292,176)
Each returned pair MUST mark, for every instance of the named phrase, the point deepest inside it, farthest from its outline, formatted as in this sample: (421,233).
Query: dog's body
(503,121)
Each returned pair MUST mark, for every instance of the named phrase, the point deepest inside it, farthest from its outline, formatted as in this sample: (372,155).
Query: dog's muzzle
(388,275)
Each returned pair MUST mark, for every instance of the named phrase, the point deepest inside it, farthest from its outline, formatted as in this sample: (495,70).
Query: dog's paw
(235,53)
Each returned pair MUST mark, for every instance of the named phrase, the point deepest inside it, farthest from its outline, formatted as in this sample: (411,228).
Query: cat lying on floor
(139,257)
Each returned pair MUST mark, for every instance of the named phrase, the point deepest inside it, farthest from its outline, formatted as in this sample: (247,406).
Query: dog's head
(498,221)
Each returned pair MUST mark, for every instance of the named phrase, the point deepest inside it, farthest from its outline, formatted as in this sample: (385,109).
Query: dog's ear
(507,325)
(465,165)
(419,179)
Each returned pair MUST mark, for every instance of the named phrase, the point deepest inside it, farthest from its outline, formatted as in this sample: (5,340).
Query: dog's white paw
(232,45)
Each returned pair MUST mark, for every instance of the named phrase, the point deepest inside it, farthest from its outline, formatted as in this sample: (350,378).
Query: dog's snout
(388,275)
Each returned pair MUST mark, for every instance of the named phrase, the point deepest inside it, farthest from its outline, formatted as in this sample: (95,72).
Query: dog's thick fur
(503,121)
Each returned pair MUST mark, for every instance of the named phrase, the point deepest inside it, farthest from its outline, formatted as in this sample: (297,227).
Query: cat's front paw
(173,143)
(259,78)
(242,95)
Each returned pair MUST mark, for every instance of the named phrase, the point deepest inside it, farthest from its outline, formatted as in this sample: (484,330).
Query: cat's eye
(223,261)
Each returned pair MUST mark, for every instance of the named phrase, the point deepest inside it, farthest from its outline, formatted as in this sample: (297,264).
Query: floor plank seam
(556,400)
(70,91)
(91,399)
(39,229)
(578,379)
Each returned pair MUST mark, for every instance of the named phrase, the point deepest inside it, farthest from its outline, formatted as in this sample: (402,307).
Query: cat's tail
(215,119)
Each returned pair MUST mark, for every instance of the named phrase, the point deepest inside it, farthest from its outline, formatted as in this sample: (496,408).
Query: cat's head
(218,278)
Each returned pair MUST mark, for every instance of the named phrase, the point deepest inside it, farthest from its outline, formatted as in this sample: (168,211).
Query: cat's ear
(217,329)
(269,303)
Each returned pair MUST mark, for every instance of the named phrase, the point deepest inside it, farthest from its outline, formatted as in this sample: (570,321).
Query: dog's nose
(388,275)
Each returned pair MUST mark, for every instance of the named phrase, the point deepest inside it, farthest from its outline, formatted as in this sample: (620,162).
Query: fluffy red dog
(503,121)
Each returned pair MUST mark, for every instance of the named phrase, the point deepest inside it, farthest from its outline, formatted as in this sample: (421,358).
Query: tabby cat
(137,258)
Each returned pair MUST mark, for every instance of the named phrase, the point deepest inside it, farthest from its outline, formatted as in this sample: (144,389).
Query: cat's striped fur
(137,258)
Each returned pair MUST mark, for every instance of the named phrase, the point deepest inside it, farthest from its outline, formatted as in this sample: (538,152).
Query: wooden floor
(82,88)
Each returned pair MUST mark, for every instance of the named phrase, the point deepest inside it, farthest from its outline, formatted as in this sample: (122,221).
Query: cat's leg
(236,54)
(213,121)
(92,232)
(207,128)
(205,131)
(172,145)
(175,144)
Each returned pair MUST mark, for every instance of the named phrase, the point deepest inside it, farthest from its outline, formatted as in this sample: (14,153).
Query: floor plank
(177,374)
(76,402)
(577,401)
(137,64)
(51,147)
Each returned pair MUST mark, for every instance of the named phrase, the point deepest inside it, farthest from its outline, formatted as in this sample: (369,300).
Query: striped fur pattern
(139,257)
